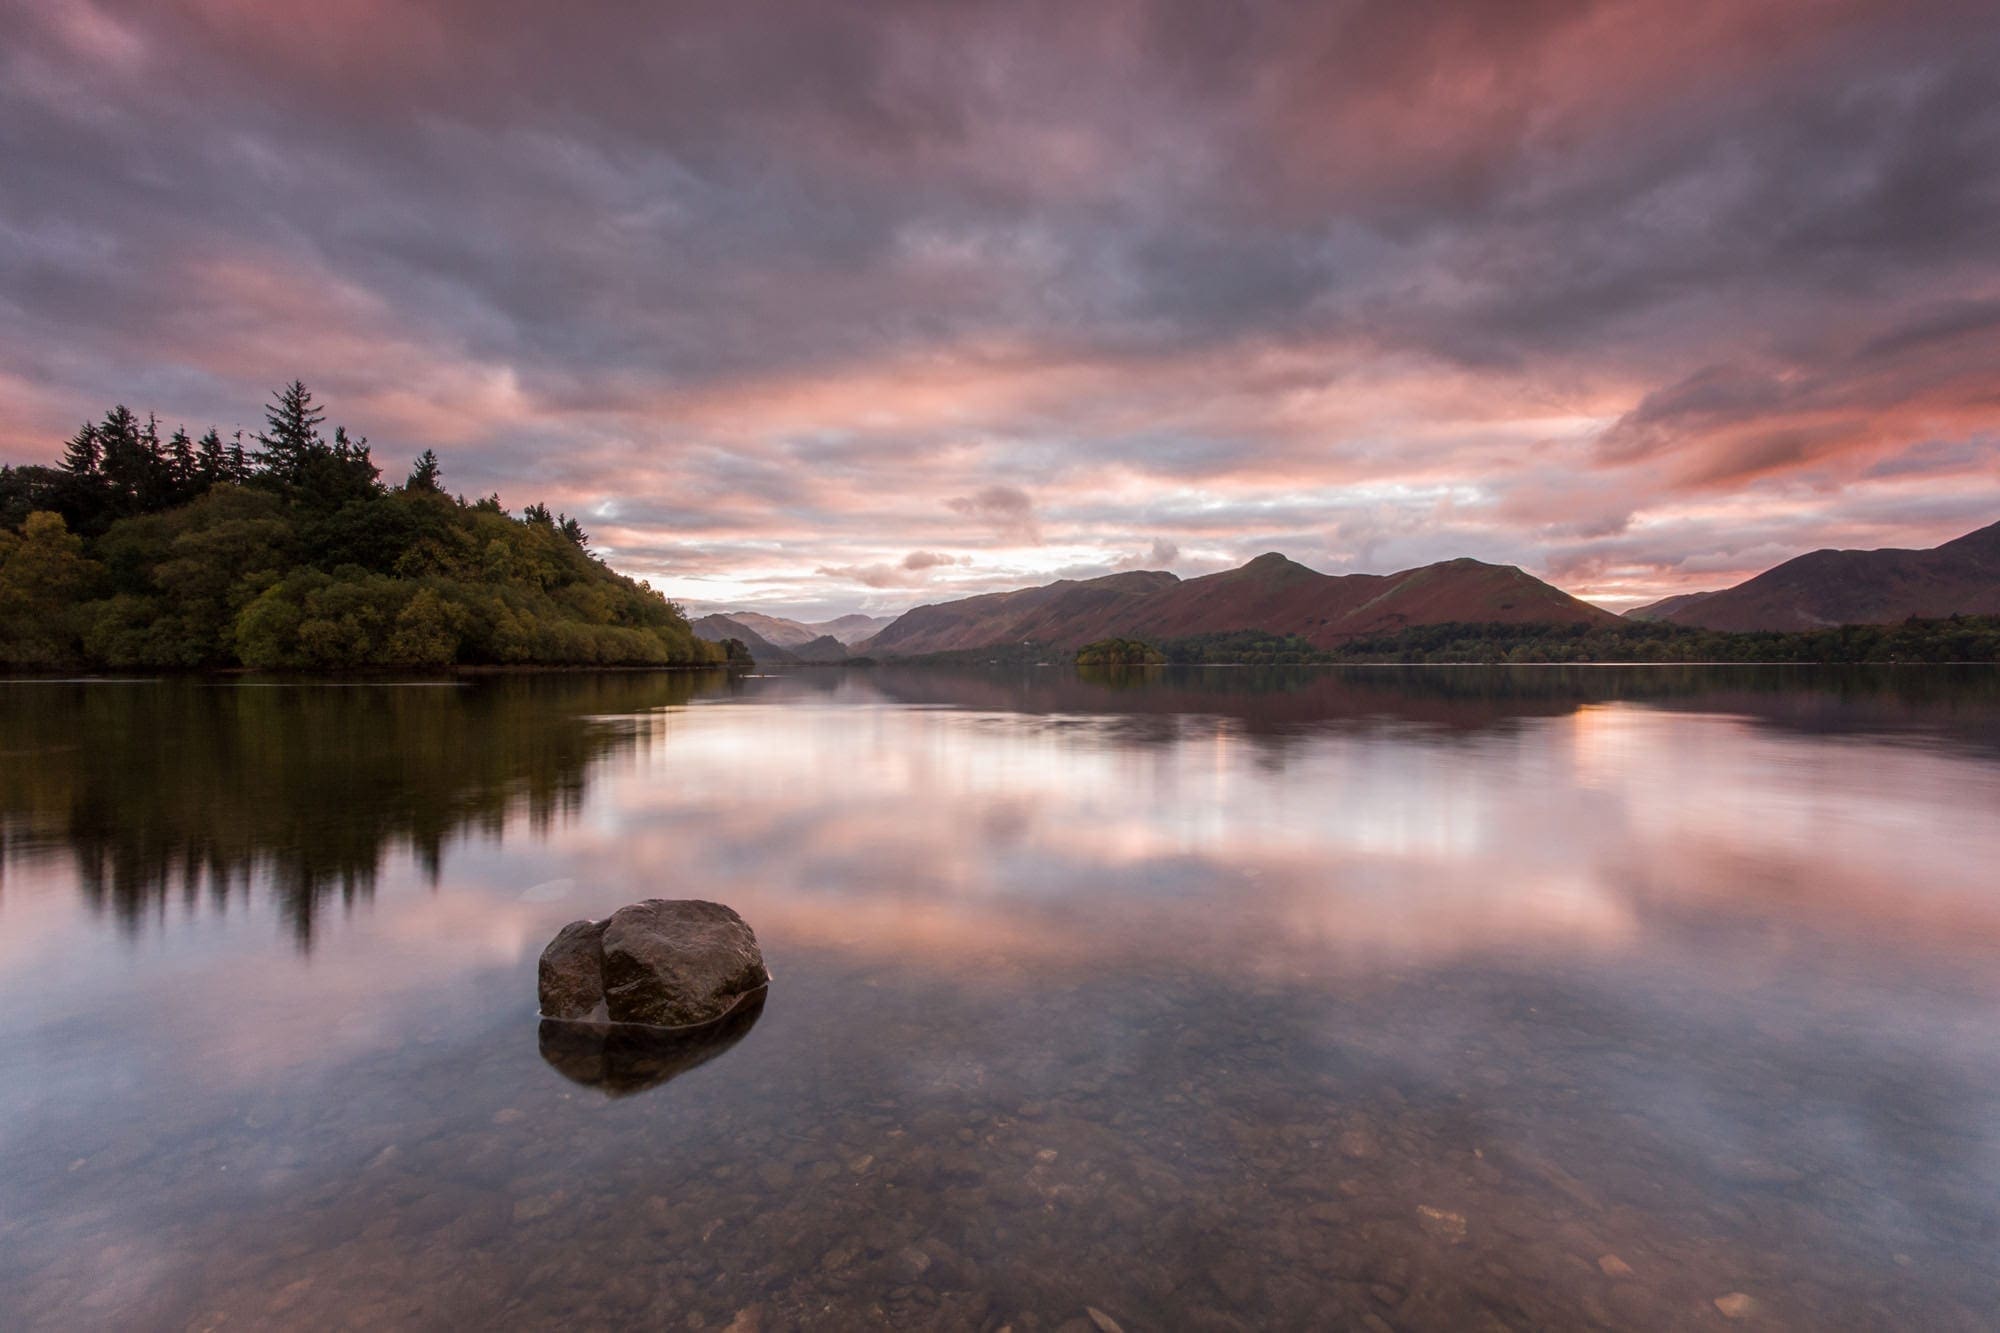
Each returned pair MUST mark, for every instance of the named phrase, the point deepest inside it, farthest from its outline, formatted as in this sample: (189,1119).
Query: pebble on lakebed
(663,962)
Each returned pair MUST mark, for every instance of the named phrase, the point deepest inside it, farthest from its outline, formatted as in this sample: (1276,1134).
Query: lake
(1431,998)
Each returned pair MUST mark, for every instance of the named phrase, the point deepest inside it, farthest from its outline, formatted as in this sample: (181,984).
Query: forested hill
(144,550)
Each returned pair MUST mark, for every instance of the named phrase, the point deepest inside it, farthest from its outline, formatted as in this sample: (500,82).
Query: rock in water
(663,962)
(571,974)
(671,962)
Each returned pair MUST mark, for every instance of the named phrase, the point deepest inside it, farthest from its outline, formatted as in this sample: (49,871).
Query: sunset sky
(816,308)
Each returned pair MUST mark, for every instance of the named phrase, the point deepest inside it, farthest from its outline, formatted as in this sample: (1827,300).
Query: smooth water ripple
(1231,999)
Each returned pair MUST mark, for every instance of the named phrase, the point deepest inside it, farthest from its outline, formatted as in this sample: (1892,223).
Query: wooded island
(144,550)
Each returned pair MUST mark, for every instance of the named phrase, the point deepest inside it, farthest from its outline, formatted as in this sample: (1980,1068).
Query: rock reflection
(621,1059)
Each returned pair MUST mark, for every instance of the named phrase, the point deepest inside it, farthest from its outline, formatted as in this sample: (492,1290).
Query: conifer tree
(83,456)
(350,451)
(127,464)
(118,433)
(291,434)
(181,461)
(424,475)
(211,462)
(152,483)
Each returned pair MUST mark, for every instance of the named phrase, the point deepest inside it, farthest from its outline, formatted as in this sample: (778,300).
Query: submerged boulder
(663,962)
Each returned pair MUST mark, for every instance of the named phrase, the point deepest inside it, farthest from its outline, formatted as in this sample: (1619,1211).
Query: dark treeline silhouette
(180,793)
(1119,652)
(167,552)
(1957,639)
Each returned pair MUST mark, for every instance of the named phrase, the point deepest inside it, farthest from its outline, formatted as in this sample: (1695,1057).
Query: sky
(817,308)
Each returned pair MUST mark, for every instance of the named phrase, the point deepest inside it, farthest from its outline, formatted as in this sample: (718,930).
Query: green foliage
(137,553)
(1119,652)
(1254,647)
(43,570)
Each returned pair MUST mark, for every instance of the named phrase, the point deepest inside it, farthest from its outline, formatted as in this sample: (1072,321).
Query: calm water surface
(1236,1000)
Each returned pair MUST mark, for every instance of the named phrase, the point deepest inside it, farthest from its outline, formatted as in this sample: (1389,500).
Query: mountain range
(1824,588)
(1279,596)
(774,639)
(1271,593)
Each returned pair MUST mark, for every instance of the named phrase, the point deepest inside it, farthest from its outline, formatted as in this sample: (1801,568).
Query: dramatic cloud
(920,560)
(1006,509)
(911,572)
(1642,296)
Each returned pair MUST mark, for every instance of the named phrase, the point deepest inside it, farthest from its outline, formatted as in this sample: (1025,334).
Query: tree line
(1119,652)
(162,551)
(1953,639)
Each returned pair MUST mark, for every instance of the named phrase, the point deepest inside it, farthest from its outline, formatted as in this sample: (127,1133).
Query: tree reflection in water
(206,789)
(211,790)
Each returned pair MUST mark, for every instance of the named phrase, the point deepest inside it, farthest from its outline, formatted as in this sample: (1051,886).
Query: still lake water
(1420,999)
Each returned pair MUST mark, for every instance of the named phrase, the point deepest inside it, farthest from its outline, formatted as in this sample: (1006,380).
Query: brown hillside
(1961,577)
(1464,591)
(1666,606)
(1042,614)
(1270,593)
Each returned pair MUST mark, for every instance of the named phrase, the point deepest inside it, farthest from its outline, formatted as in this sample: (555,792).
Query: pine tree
(424,475)
(537,513)
(126,463)
(573,530)
(236,463)
(291,434)
(119,434)
(181,462)
(83,456)
(351,451)
(211,462)
(153,487)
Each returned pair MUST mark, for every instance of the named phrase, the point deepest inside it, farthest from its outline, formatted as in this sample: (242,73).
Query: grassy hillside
(166,553)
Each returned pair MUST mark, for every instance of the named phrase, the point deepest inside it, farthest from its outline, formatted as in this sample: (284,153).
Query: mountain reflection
(205,791)
(1289,700)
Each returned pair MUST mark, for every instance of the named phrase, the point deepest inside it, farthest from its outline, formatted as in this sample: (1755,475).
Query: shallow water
(1239,999)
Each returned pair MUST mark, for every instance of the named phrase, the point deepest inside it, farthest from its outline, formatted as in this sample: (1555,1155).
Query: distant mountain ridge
(1279,596)
(1271,593)
(1827,588)
(851,629)
(1666,606)
(717,628)
(774,639)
